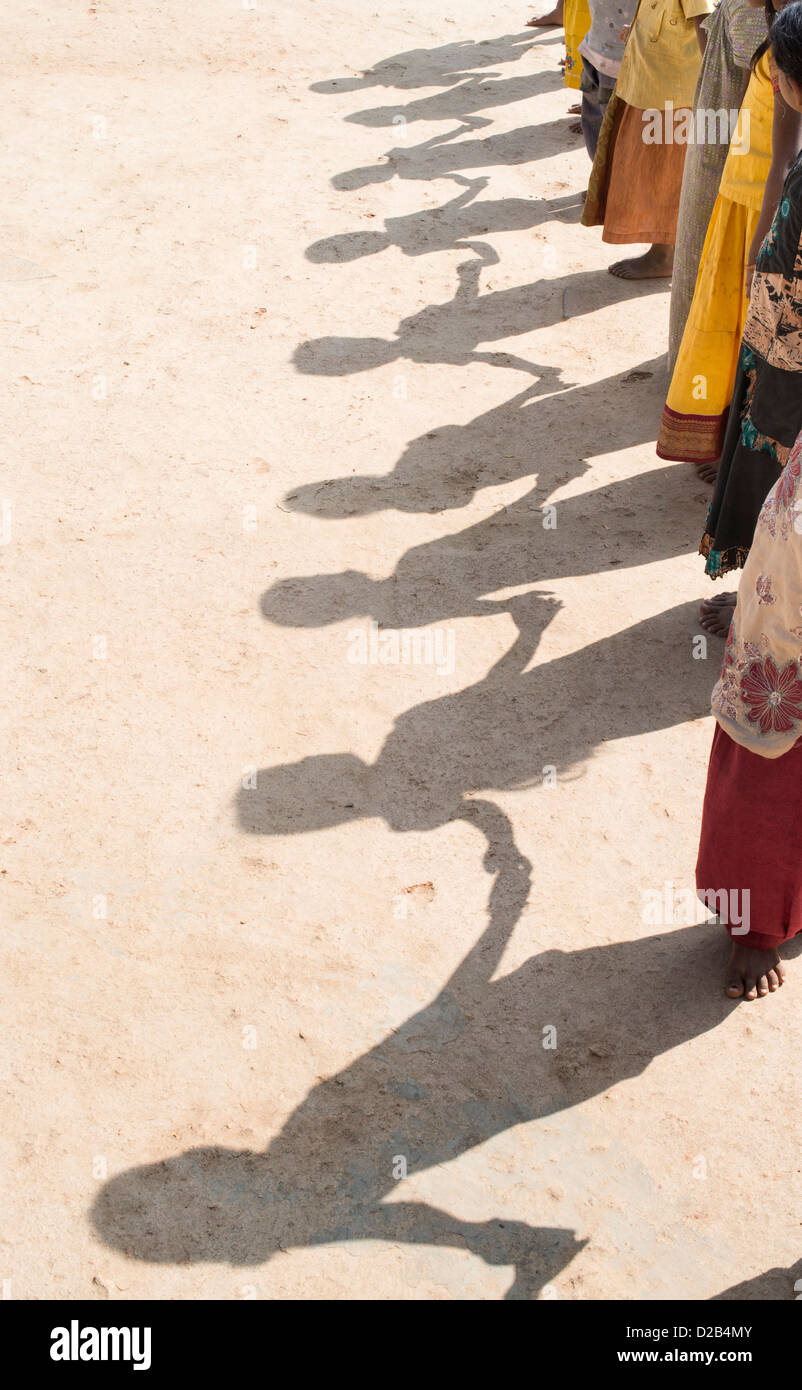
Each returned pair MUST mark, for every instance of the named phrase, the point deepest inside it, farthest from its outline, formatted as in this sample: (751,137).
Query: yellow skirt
(695,414)
(577,25)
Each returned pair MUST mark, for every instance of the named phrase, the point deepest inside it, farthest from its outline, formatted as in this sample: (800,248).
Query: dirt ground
(328,971)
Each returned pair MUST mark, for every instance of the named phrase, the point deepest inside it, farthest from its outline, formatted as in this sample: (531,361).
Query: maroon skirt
(750,848)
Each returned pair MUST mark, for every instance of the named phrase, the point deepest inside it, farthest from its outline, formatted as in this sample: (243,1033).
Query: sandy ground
(301,333)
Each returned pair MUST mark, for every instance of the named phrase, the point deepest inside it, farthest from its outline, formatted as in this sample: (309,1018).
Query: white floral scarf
(758,698)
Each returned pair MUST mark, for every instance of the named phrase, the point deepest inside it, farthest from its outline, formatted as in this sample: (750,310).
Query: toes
(714,626)
(748,979)
(716,623)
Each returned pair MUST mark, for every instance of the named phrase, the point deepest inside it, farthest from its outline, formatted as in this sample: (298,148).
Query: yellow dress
(695,414)
(662,58)
(577,24)
(636,181)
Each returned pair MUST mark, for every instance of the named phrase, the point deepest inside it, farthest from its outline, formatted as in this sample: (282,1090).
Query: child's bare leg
(655,264)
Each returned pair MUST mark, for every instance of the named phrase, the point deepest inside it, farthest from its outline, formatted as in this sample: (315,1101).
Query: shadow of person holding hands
(442,156)
(529,435)
(451,333)
(451,227)
(484,1055)
(443,66)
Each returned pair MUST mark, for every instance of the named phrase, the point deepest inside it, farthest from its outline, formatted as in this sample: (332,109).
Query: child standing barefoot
(749,869)
(637,173)
(750,846)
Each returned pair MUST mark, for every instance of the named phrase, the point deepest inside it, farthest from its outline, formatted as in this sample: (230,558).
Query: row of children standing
(692,116)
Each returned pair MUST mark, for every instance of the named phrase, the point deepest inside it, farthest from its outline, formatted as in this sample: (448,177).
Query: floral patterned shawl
(758,699)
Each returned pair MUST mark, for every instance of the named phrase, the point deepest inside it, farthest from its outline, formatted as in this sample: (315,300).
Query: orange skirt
(635,187)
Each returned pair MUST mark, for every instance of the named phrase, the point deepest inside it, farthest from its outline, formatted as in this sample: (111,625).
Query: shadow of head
(351,179)
(316,793)
(317,600)
(339,356)
(207,1204)
(347,246)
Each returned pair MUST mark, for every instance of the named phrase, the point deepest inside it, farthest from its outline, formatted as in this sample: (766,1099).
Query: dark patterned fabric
(766,412)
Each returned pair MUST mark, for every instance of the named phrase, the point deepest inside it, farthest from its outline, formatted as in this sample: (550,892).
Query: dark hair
(786,42)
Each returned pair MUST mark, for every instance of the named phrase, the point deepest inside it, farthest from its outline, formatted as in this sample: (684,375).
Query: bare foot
(716,614)
(575,127)
(576,109)
(545,21)
(752,974)
(656,263)
(706,471)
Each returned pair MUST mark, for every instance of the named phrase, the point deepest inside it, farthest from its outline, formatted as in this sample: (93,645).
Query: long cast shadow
(470,1065)
(501,732)
(477,1060)
(450,333)
(526,436)
(443,66)
(446,155)
(455,576)
(482,1057)
(473,1062)
(453,226)
(623,524)
(479,92)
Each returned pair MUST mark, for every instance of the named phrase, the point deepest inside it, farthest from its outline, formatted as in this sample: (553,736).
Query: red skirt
(750,847)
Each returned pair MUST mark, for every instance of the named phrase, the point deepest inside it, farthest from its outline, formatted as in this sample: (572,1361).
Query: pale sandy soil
(297,365)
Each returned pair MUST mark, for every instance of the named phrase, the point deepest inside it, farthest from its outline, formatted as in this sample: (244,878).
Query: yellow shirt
(662,57)
(749,159)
